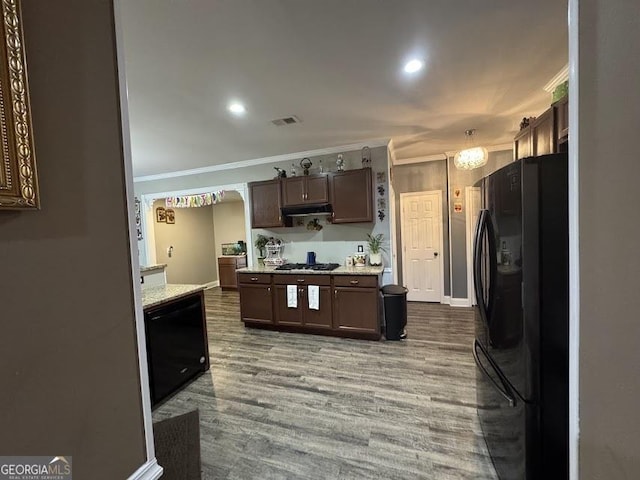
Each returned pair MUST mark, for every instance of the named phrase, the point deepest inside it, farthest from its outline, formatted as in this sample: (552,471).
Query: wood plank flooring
(294,406)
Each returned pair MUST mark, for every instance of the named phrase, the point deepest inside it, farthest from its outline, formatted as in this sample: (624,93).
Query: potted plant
(375,249)
(261,243)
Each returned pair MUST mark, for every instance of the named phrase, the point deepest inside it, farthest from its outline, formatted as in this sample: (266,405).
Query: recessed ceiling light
(237,108)
(412,66)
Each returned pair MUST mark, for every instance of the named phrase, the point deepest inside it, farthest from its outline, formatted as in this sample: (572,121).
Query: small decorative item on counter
(314,225)
(340,162)
(348,262)
(375,248)
(282,173)
(274,253)
(261,243)
(381,215)
(366,157)
(306,164)
(381,190)
(360,259)
(293,170)
(320,166)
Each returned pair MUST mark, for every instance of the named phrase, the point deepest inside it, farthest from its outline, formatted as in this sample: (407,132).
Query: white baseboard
(149,471)
(209,285)
(446,300)
(460,302)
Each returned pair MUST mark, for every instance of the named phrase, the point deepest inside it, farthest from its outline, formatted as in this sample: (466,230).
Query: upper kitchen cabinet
(522,144)
(543,138)
(561,109)
(265,204)
(306,190)
(351,196)
(546,134)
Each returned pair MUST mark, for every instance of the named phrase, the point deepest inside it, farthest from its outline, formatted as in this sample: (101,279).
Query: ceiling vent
(286,121)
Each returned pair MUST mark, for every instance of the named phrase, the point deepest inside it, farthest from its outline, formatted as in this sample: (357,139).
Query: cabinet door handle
(269,289)
(336,294)
(254,279)
(354,282)
(301,280)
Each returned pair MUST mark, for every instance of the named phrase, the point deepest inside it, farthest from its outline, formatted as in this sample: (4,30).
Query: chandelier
(471,157)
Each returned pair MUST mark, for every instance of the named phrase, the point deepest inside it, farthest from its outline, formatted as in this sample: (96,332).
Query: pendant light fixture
(472,156)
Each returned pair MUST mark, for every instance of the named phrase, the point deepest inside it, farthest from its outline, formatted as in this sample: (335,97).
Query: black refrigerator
(521,283)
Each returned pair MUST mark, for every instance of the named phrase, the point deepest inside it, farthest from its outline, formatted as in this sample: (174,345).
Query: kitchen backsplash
(331,244)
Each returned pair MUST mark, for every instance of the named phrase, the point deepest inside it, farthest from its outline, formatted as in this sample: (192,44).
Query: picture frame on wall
(18,177)
(171,216)
(161,215)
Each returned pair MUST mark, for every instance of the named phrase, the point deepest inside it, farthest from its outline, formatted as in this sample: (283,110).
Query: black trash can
(395,311)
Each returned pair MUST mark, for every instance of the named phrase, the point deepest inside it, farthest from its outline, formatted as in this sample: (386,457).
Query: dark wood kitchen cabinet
(355,304)
(545,134)
(349,305)
(227,267)
(302,315)
(543,138)
(351,196)
(561,109)
(306,190)
(256,305)
(266,201)
(522,143)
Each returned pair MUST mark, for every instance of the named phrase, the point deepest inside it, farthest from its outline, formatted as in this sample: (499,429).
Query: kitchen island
(176,334)
(343,302)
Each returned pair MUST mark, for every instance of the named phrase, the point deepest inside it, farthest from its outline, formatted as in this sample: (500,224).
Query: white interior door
(421,229)
(472,195)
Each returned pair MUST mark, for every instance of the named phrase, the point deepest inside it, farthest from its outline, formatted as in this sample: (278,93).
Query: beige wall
(68,361)
(609,233)
(228,223)
(193,239)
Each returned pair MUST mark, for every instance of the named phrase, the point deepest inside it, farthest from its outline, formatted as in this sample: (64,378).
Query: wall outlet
(360,248)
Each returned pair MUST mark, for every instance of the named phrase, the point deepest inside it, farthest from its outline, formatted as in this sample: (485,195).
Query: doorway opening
(190,232)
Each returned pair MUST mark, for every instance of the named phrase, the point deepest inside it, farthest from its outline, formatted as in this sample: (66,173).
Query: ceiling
(336,64)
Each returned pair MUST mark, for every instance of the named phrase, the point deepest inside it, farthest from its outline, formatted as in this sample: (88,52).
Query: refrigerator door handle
(477,263)
(504,391)
(493,262)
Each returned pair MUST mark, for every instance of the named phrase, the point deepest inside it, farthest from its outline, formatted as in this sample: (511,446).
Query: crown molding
(423,159)
(561,76)
(265,160)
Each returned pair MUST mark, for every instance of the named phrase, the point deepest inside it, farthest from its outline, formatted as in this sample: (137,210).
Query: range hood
(307,210)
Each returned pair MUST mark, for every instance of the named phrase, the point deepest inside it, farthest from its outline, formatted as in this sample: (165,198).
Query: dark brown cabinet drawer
(262,278)
(286,279)
(365,281)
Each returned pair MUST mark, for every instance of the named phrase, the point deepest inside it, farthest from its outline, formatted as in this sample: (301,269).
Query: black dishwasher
(177,349)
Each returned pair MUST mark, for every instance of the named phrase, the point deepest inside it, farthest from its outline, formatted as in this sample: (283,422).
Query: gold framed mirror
(18,179)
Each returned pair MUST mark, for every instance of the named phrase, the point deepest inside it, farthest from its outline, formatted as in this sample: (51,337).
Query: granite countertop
(152,296)
(342,270)
(151,268)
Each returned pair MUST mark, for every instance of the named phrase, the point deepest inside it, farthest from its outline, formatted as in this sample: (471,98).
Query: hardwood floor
(293,406)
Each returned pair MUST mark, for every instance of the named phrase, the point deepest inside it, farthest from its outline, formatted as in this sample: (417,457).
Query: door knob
(435,254)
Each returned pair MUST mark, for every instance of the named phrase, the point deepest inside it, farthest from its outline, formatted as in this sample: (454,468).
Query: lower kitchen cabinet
(348,305)
(256,305)
(302,315)
(355,309)
(227,267)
